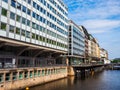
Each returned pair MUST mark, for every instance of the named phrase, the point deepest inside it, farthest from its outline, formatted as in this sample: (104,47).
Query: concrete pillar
(82,73)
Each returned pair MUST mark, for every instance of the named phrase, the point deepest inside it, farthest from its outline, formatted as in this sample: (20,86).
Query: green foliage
(116,61)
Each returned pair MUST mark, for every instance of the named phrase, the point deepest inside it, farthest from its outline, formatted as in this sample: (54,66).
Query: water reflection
(106,80)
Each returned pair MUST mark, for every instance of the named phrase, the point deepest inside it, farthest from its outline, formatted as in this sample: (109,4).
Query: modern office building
(86,43)
(76,50)
(30,26)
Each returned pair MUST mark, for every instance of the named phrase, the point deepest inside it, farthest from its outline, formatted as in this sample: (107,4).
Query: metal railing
(10,66)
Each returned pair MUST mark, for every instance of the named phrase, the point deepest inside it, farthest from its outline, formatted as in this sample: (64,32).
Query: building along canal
(105,80)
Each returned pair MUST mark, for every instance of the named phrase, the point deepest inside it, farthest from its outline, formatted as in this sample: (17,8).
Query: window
(34,4)
(24,9)
(28,11)
(23,32)
(3,26)
(37,37)
(23,20)
(28,34)
(5,1)
(41,18)
(34,25)
(18,31)
(33,36)
(33,14)
(40,28)
(18,18)
(13,3)
(38,7)
(19,6)
(4,12)
(37,26)
(11,29)
(28,22)
(12,15)
(40,38)
(29,1)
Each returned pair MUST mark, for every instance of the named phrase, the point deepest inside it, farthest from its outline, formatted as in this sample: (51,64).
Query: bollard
(27,88)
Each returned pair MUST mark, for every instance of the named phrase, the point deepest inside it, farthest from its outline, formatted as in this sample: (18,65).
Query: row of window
(78,39)
(58,36)
(27,22)
(28,11)
(78,51)
(78,32)
(27,34)
(59,7)
(57,13)
(35,5)
(78,44)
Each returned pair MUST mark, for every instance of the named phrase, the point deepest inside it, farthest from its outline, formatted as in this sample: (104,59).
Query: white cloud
(101,26)
(96,15)
(101,18)
(85,9)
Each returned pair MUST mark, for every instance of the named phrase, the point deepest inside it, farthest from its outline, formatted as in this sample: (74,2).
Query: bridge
(84,69)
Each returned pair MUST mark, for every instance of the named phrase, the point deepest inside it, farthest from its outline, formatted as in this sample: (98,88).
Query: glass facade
(76,44)
(76,40)
(38,21)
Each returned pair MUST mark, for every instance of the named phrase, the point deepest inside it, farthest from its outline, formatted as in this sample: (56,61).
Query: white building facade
(40,22)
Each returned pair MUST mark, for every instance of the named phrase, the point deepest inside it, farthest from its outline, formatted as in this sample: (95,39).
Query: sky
(101,18)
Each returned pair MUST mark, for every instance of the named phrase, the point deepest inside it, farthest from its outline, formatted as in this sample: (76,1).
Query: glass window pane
(18,31)
(33,35)
(4,12)
(23,20)
(23,32)
(3,26)
(28,22)
(18,18)
(29,1)
(11,29)
(12,15)
(24,9)
(28,12)
(19,6)
(28,34)
(13,3)
(5,0)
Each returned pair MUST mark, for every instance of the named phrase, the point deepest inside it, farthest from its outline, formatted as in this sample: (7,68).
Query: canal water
(106,80)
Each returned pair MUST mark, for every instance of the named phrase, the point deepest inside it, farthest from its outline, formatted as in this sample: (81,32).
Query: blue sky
(101,18)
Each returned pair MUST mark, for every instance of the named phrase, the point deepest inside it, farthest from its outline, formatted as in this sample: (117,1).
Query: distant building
(76,46)
(104,56)
(93,50)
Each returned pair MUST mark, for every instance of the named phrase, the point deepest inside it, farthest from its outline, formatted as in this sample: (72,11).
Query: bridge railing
(10,66)
(84,64)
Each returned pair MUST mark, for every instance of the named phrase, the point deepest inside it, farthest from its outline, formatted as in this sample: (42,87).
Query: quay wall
(83,71)
(16,79)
